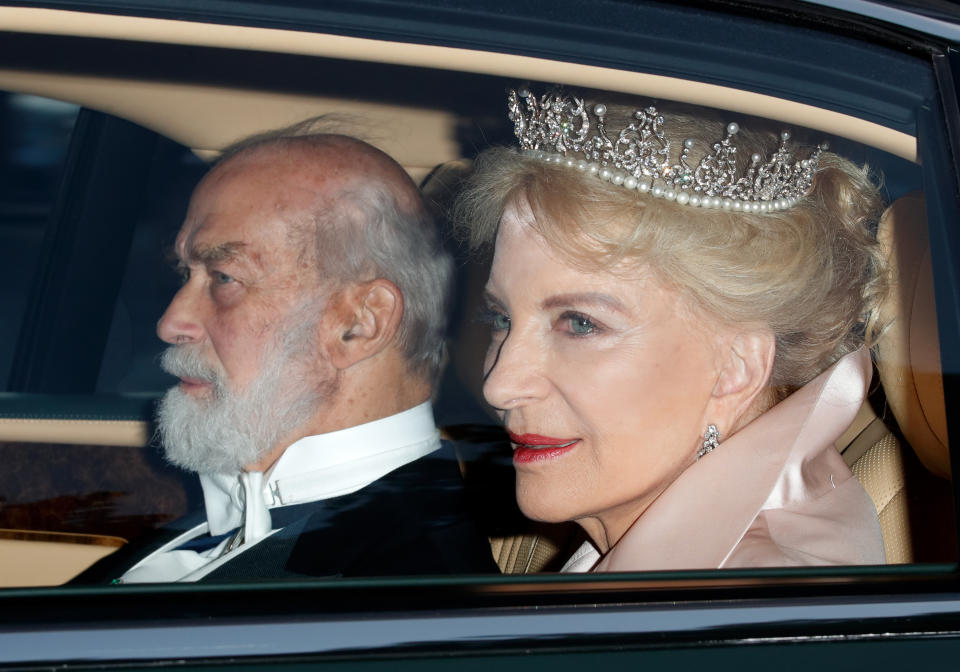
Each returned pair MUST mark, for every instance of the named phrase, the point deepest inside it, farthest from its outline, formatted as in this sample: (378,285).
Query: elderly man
(306,337)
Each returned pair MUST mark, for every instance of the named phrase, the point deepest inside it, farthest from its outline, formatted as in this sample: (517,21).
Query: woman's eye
(498,321)
(580,325)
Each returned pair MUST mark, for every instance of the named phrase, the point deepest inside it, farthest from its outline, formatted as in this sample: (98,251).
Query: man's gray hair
(364,233)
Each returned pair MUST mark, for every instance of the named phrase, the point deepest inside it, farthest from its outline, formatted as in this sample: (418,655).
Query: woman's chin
(545,477)
(542,513)
(537,502)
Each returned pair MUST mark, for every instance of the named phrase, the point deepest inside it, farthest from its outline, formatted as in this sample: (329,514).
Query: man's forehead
(232,225)
(211,235)
(268,185)
(292,166)
(305,176)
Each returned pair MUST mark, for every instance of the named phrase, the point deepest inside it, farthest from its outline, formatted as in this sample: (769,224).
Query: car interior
(143,105)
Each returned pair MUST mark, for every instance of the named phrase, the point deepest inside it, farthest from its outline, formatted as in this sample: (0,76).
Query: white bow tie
(256,515)
(246,510)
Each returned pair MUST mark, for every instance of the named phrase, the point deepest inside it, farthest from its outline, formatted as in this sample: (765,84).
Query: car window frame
(913,600)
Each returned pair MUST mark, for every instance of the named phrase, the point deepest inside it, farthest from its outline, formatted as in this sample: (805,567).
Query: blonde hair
(814,274)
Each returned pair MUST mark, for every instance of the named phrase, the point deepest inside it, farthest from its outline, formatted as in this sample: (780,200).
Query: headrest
(908,354)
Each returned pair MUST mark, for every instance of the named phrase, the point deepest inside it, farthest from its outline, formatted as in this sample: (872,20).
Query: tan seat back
(875,457)
(908,356)
(908,361)
(542,547)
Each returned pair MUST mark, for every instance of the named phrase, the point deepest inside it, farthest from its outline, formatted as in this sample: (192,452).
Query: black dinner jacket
(414,520)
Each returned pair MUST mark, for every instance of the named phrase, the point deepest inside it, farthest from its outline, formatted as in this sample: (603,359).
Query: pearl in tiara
(558,128)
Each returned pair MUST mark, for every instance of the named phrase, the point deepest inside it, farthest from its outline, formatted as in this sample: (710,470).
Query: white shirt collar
(327,465)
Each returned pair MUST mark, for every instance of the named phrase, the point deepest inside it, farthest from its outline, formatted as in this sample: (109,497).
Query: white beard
(228,431)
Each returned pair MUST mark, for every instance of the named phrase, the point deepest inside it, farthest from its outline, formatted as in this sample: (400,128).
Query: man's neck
(350,408)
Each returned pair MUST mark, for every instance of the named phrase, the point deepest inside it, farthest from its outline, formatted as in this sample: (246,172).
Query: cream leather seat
(876,458)
(913,503)
(909,353)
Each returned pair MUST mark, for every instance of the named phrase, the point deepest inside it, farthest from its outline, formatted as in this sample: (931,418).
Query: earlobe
(368,316)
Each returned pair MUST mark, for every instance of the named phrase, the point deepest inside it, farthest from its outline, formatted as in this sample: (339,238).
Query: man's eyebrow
(213,254)
(583,299)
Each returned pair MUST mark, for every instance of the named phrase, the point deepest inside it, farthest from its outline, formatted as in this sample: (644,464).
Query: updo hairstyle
(813,273)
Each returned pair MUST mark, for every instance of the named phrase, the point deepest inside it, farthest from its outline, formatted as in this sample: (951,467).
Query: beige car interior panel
(49,558)
(82,24)
(419,138)
(131,433)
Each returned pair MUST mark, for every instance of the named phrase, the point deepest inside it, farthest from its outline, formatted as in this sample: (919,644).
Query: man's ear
(746,367)
(367,316)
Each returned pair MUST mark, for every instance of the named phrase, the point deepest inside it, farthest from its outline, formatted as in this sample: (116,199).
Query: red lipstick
(536,447)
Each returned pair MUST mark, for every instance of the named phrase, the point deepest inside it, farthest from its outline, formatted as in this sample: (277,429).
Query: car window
(149,493)
(78,444)
(36,133)
(100,485)
(150,280)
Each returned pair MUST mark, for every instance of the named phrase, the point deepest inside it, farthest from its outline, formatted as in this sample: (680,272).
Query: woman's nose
(514,374)
(180,322)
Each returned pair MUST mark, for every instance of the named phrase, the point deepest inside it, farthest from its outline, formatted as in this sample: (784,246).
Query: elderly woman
(681,310)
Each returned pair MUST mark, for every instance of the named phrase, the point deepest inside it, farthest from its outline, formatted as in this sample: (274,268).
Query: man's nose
(180,321)
(515,373)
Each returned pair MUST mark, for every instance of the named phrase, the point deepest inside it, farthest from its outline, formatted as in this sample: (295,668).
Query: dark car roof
(940,18)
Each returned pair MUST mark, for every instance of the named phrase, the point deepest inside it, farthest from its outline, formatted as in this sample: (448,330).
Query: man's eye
(221,278)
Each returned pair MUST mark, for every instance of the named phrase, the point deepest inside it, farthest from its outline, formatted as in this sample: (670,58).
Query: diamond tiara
(558,127)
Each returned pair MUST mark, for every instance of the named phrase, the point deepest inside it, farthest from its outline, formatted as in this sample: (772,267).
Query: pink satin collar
(701,517)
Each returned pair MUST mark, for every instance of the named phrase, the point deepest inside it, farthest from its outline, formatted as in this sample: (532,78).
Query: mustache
(186,361)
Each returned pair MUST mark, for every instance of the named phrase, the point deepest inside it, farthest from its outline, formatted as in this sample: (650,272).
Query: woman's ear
(746,367)
(367,316)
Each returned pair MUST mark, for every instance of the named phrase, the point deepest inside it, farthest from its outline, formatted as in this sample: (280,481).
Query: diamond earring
(711,439)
